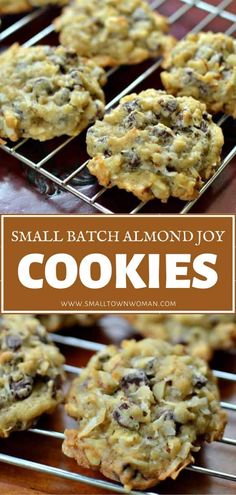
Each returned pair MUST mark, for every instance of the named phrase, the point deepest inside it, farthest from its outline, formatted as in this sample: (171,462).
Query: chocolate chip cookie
(202,334)
(47,92)
(31,373)
(18,6)
(56,322)
(203,65)
(155,146)
(114,32)
(142,411)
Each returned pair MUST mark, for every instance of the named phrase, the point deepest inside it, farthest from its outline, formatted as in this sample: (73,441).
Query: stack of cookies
(143,409)
(155,144)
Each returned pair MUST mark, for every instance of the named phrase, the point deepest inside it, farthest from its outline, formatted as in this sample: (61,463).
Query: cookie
(47,92)
(142,411)
(155,146)
(18,6)
(204,66)
(202,334)
(31,373)
(114,32)
(54,322)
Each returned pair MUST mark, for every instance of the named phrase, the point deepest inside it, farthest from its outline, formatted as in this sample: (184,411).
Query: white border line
(233,262)
(37,311)
(2,262)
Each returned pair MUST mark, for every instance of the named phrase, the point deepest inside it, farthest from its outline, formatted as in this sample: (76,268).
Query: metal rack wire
(211,13)
(107,485)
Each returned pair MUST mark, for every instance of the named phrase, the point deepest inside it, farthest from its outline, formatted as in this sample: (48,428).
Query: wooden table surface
(48,451)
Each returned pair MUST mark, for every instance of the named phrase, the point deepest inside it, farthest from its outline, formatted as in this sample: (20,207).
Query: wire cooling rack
(74,342)
(100,198)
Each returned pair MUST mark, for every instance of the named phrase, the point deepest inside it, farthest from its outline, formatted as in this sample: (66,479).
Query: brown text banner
(120,263)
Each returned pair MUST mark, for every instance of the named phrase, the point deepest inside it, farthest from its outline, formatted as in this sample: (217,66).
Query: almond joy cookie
(31,373)
(155,146)
(142,411)
(202,334)
(204,66)
(18,6)
(47,92)
(114,32)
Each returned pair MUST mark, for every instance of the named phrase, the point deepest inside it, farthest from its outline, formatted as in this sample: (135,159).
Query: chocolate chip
(132,158)
(171,105)
(189,77)
(177,427)
(101,139)
(13,342)
(62,96)
(168,415)
(170,168)
(131,105)
(203,89)
(206,116)
(218,58)
(107,153)
(62,68)
(214,319)
(150,368)
(138,378)
(130,121)
(104,358)
(204,127)
(161,133)
(199,381)
(18,111)
(123,418)
(124,406)
(179,121)
(22,388)
(180,340)
(74,74)
(71,55)
(91,130)
(98,23)
(42,85)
